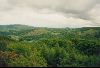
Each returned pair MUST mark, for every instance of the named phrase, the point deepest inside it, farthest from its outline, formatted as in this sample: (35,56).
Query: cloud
(50,13)
(30,17)
(95,14)
(72,6)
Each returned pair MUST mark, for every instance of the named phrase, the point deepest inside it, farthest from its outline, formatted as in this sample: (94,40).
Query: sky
(51,13)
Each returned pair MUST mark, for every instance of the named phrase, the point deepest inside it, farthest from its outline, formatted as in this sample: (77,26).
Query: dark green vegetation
(25,46)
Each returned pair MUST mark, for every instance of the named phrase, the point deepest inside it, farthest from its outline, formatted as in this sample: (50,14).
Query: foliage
(26,46)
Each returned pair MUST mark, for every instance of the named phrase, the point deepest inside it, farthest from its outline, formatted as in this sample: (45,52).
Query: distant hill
(19,31)
(16,27)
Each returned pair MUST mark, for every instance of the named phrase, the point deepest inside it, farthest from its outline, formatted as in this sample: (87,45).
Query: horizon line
(50,27)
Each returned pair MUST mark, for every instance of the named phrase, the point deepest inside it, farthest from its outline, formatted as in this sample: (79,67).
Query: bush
(89,47)
(5,57)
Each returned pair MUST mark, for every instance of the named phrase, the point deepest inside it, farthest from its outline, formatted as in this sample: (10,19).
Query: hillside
(16,27)
(26,46)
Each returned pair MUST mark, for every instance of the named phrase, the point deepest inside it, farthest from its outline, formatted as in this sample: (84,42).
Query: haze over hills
(30,26)
(15,27)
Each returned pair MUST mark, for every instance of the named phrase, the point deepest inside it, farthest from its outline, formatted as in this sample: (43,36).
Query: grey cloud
(78,8)
(69,8)
(72,6)
(78,5)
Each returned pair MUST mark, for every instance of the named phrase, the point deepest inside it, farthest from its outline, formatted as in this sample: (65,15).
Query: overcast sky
(51,13)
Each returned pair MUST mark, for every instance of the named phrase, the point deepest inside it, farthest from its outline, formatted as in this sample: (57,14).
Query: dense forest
(26,46)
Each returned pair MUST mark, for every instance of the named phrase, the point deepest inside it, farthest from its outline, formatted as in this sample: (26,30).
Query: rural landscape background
(25,46)
(49,33)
